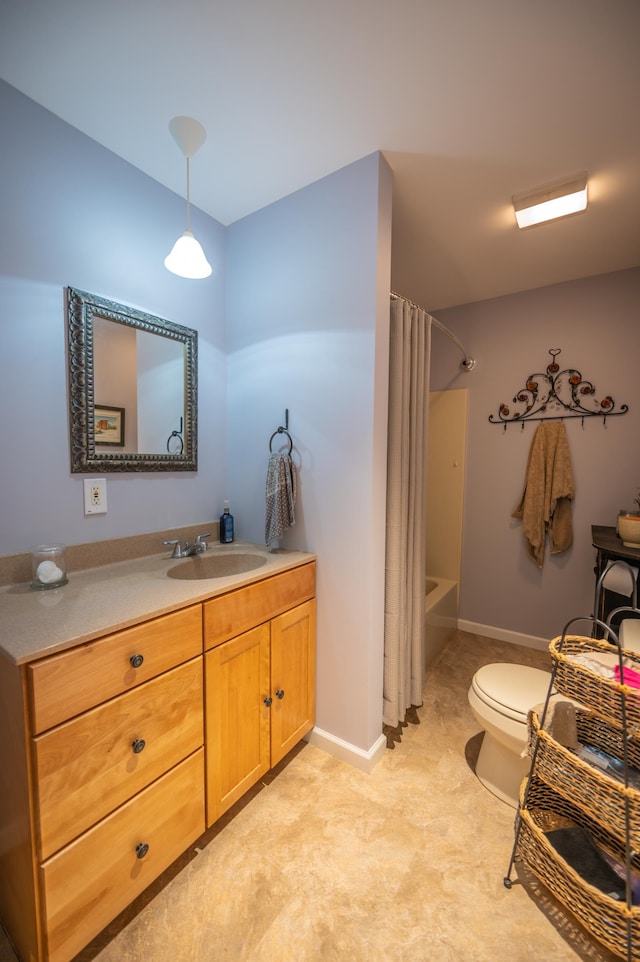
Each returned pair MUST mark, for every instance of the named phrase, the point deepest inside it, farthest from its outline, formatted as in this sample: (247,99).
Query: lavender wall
(305,327)
(595,323)
(308,314)
(298,319)
(75,214)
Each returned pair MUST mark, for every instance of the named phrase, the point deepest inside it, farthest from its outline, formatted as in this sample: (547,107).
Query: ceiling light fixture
(558,199)
(186,258)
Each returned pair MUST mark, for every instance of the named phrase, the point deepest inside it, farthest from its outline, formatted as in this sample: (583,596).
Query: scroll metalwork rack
(556,394)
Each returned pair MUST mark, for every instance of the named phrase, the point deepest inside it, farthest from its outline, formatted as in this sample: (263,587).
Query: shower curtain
(410,346)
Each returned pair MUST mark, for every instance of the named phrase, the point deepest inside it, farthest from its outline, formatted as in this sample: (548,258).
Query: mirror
(132,388)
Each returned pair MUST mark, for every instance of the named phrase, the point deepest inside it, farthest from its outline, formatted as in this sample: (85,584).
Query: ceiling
(470,101)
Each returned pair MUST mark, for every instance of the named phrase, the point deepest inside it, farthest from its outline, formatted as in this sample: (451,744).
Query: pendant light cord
(188,217)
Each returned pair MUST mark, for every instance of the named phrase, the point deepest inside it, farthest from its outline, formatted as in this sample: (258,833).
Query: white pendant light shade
(186,258)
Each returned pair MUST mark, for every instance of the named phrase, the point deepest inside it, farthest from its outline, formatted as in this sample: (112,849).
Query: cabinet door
(237,718)
(293,681)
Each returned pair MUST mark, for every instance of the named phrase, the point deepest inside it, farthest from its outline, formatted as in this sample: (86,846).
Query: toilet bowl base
(501,771)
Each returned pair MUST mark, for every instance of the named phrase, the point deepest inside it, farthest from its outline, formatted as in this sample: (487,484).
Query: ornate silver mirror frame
(83,310)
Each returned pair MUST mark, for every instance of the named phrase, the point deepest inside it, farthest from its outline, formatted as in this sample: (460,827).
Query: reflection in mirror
(132,388)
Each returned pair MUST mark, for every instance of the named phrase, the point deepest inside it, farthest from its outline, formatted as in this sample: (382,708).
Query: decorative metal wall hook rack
(557,395)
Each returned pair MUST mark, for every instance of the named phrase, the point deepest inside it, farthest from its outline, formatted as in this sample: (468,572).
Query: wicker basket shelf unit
(562,790)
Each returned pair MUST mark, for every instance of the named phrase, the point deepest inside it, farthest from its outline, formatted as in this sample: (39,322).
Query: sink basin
(215,565)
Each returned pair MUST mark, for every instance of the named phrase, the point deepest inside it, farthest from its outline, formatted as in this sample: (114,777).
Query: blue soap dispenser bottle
(226,525)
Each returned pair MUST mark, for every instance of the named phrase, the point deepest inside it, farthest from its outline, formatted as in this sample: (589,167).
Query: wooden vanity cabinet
(103,779)
(111,776)
(259,683)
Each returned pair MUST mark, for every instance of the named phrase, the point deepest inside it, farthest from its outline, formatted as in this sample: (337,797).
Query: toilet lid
(511,689)
(629,634)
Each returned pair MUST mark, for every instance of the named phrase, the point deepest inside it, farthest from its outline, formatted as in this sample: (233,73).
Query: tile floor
(323,862)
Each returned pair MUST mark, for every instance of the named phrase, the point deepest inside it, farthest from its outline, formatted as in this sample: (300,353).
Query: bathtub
(441,616)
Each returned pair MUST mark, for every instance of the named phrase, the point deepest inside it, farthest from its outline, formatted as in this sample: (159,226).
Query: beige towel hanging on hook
(545,507)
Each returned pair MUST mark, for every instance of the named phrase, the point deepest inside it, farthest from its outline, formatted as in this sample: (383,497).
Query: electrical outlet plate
(95,495)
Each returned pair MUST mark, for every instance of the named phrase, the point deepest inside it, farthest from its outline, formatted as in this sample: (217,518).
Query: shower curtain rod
(468,363)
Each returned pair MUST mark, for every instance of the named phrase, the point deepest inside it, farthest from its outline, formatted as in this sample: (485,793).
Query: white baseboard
(501,634)
(346,752)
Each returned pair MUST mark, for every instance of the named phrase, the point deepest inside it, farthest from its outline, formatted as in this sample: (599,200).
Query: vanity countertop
(100,600)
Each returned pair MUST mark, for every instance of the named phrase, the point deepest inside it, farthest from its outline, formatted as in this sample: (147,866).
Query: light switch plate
(95,495)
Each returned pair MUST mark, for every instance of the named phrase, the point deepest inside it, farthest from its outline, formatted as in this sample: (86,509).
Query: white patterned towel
(280,496)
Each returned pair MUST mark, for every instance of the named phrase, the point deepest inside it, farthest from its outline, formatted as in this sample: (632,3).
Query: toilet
(500,697)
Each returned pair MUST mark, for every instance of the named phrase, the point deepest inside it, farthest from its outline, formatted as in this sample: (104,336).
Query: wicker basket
(611,922)
(592,690)
(603,799)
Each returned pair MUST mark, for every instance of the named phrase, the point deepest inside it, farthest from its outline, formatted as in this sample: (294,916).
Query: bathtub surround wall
(446,459)
(446,469)
(594,321)
(441,618)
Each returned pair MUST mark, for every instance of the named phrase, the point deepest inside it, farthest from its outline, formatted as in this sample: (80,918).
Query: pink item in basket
(629,676)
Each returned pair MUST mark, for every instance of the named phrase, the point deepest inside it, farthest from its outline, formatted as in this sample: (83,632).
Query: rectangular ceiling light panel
(559,199)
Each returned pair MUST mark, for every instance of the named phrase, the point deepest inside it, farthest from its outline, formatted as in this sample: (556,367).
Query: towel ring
(175,444)
(281,431)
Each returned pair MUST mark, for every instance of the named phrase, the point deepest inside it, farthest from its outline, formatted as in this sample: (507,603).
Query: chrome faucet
(186,550)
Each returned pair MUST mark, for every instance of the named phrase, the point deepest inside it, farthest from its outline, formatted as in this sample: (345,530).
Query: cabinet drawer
(90,881)
(87,767)
(237,611)
(73,681)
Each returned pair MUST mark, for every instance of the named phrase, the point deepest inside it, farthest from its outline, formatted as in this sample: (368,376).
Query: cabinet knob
(268,701)
(138,744)
(279,693)
(136,660)
(141,849)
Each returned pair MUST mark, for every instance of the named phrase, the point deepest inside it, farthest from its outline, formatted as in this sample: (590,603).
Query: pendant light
(186,258)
